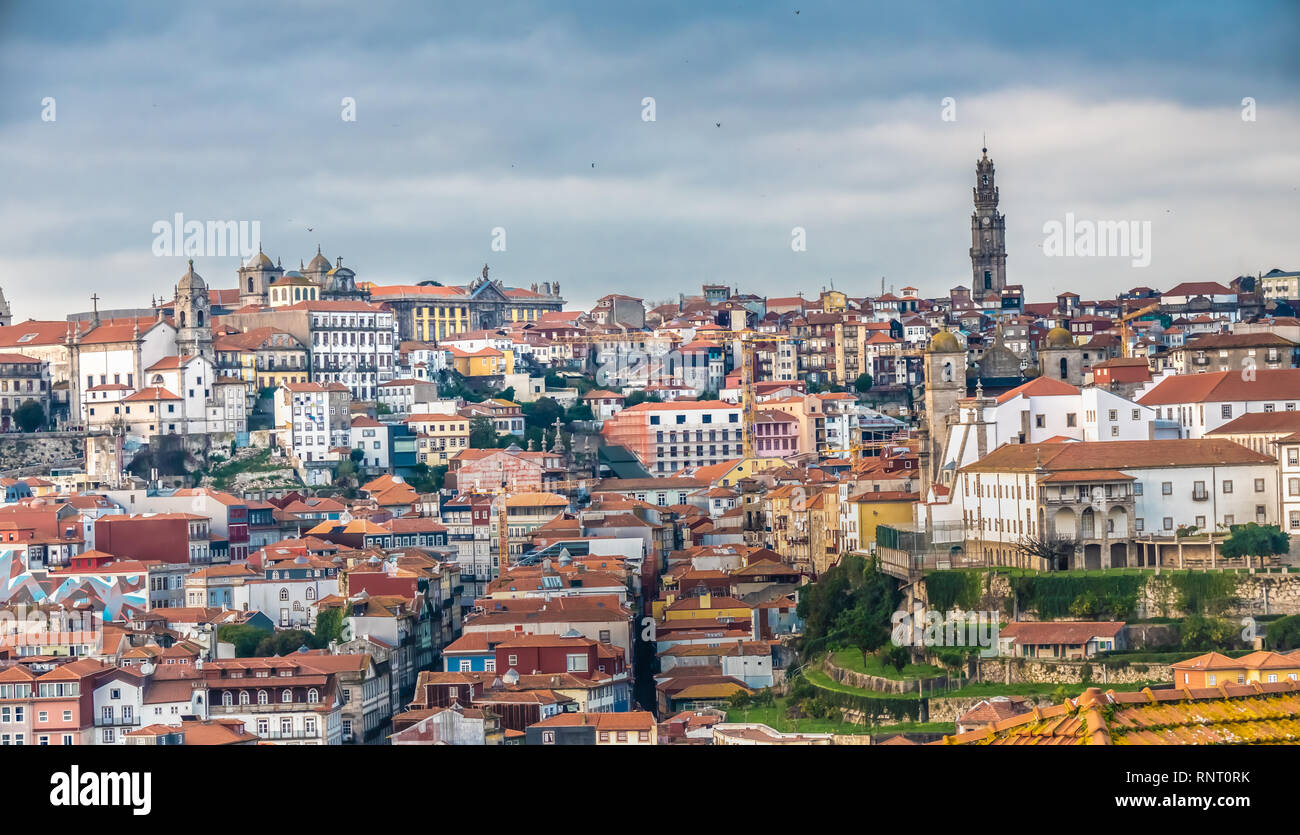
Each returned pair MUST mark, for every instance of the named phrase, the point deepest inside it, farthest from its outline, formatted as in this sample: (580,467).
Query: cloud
(473,118)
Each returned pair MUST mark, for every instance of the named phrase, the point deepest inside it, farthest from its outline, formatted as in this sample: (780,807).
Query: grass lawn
(775,718)
(851,659)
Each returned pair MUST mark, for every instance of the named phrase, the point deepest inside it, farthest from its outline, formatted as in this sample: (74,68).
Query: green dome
(944,342)
(1059,338)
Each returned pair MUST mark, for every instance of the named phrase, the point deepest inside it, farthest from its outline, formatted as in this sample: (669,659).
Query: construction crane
(748,340)
(1123,325)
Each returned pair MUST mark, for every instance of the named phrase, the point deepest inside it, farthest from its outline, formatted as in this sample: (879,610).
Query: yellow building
(263,358)
(291,288)
(727,473)
(1214,669)
(485,362)
(863,512)
(708,607)
(833,301)
(438,437)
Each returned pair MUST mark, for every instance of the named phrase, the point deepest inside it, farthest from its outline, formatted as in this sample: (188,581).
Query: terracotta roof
(1261,422)
(1116,455)
(1228,714)
(1225,386)
(1059,632)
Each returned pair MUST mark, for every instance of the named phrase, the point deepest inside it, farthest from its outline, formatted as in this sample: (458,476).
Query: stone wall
(1258,594)
(947,710)
(39,451)
(1044,671)
(880,684)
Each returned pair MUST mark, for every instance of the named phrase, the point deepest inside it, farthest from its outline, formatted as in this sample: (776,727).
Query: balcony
(1200,495)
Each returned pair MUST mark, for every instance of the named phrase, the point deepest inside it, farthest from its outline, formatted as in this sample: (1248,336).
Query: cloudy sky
(528,117)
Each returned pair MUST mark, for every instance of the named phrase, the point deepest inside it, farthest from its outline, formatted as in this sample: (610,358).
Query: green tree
(245,638)
(329,626)
(542,412)
(29,416)
(863,384)
(426,479)
(1284,634)
(639,396)
(1201,634)
(1255,540)
(357,455)
(285,642)
(507,393)
(578,411)
(482,434)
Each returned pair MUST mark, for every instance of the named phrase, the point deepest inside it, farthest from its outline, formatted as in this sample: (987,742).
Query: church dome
(191,280)
(319,264)
(944,342)
(260,261)
(1059,338)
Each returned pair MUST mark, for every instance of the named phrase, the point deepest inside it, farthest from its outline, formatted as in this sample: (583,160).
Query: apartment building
(668,437)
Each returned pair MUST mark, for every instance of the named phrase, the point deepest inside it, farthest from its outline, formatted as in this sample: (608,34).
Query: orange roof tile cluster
(1231,714)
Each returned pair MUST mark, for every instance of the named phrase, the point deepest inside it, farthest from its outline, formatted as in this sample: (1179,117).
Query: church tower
(255,278)
(945,384)
(988,249)
(193,319)
(6,315)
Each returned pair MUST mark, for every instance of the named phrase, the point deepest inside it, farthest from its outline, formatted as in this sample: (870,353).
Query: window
(1227,486)
(1166,488)
(1137,488)
(1071,419)
(1169,523)
(1226,410)
(1040,421)
(577,662)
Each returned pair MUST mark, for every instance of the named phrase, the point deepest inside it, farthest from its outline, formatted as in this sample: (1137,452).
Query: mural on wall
(112,595)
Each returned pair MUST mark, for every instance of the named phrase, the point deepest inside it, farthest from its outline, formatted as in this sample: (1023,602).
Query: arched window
(250,285)
(226,699)
(182,318)
(311,593)
(284,594)
(262,698)
(313,696)
(286,696)
(198,314)
(1065,368)
(243,697)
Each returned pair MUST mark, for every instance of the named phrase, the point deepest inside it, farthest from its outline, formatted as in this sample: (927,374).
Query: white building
(312,419)
(353,343)
(1106,494)
(371,437)
(1201,403)
(1041,410)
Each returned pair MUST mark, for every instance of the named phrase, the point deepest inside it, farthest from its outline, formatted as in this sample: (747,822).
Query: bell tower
(945,384)
(988,249)
(192,315)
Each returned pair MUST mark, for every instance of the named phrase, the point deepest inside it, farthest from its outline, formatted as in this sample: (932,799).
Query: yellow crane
(748,340)
(1123,325)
